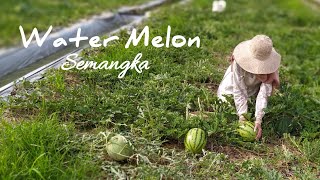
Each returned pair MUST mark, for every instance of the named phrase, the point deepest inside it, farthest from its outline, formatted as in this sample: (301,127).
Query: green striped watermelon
(119,148)
(246,131)
(195,140)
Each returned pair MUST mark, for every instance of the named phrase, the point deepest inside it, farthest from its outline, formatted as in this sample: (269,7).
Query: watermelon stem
(199,103)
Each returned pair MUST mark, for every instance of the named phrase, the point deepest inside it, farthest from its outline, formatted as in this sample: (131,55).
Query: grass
(42,149)
(42,14)
(150,108)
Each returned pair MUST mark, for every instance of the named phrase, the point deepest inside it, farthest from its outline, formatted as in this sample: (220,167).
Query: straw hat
(257,55)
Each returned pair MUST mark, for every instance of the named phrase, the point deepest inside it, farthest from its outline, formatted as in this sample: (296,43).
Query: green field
(41,14)
(55,128)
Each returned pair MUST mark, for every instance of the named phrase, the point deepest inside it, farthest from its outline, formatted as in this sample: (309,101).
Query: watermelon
(119,148)
(195,140)
(246,131)
(284,125)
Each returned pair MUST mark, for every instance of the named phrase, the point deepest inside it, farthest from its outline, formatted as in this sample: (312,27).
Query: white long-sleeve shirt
(242,84)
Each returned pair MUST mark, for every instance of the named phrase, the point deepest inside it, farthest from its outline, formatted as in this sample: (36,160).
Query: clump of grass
(42,149)
(292,112)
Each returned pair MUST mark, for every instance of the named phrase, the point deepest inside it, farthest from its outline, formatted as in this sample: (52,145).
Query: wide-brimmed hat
(257,55)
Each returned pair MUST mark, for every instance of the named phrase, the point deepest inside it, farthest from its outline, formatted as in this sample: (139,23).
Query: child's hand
(258,129)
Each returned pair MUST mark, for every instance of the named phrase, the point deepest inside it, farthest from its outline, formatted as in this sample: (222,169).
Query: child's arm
(262,101)
(240,94)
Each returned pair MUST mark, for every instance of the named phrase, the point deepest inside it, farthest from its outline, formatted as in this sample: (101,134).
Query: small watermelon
(195,140)
(119,148)
(246,131)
